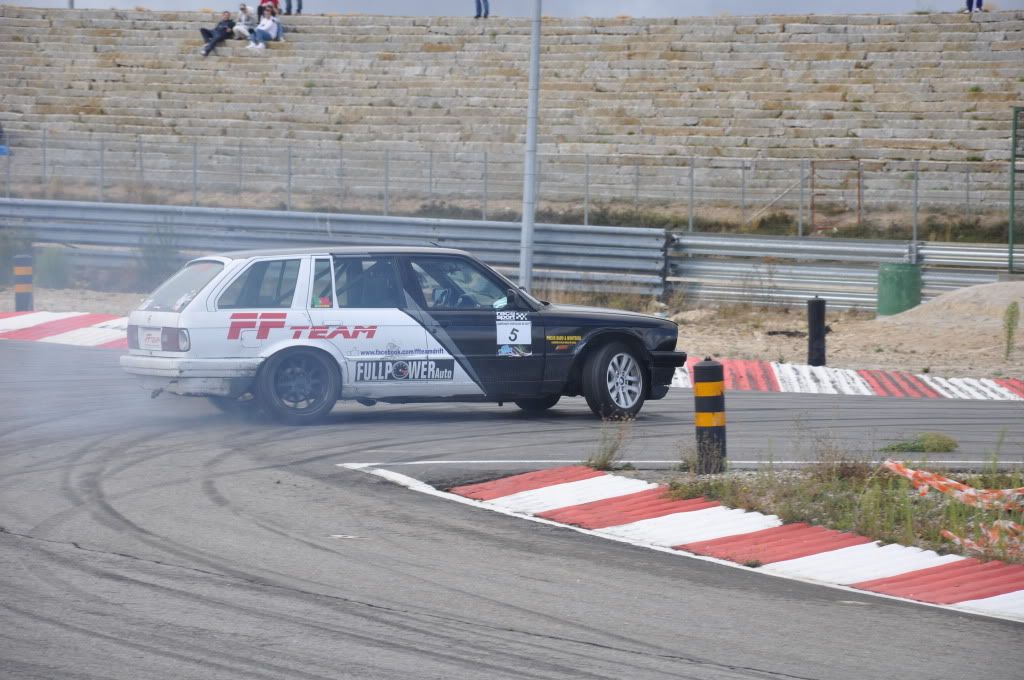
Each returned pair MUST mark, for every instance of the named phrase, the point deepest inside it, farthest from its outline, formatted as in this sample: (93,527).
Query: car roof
(339,250)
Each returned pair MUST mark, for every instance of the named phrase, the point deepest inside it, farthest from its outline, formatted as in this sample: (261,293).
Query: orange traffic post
(709,416)
(23,283)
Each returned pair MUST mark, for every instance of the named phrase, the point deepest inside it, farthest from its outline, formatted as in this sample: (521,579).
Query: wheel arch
(599,339)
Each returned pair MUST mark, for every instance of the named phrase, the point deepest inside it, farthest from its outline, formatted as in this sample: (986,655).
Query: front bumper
(193,377)
(663,369)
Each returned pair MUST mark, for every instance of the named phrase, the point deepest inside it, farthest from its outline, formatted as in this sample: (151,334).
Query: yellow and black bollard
(23,283)
(709,415)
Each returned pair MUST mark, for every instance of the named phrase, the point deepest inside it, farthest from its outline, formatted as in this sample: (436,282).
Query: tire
(615,382)
(246,405)
(299,386)
(539,404)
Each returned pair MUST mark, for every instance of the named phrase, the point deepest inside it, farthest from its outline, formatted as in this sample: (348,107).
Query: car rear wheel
(615,381)
(539,404)
(299,386)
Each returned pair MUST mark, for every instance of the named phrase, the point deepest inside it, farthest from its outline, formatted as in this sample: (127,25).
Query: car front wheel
(299,386)
(615,382)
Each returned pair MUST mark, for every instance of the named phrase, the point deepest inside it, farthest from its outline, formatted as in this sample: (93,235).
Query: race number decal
(515,333)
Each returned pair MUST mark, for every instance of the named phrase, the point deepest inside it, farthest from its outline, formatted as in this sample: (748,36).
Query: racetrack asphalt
(157,538)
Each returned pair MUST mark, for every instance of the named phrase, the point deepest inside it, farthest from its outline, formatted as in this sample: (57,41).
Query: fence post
(102,177)
(195,173)
(586,190)
(967,200)
(743,192)
(636,187)
(803,198)
(430,175)
(387,181)
(341,177)
(860,193)
(288,201)
(917,177)
(813,165)
(709,416)
(44,156)
(241,167)
(484,213)
(142,167)
(692,192)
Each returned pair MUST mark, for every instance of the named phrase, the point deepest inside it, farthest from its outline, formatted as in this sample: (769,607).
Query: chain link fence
(876,199)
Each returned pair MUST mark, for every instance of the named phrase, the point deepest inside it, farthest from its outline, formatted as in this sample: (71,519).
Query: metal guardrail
(712,267)
(784,270)
(605,259)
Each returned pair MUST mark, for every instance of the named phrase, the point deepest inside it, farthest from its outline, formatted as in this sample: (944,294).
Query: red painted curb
(959,581)
(778,544)
(528,481)
(57,327)
(632,507)
(1013,384)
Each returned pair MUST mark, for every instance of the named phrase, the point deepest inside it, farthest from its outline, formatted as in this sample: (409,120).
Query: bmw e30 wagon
(294,331)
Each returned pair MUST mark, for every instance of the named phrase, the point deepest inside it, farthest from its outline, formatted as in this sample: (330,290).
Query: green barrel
(899,287)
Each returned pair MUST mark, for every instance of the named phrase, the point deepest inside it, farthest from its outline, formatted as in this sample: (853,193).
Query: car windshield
(179,290)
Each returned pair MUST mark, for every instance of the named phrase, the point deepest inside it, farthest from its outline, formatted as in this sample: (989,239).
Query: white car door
(357,304)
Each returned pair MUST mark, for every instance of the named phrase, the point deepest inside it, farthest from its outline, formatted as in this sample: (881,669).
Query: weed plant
(926,442)
(611,445)
(847,493)
(1011,318)
(858,497)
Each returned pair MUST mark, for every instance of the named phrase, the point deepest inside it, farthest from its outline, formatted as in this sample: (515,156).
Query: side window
(366,282)
(454,283)
(322,293)
(264,285)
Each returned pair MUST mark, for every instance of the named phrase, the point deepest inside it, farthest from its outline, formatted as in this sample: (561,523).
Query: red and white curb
(770,376)
(66,328)
(103,330)
(639,513)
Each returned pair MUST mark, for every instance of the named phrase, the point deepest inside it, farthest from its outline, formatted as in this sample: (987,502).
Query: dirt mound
(976,305)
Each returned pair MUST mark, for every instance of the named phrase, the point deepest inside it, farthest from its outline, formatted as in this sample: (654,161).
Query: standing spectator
(288,6)
(219,33)
(263,7)
(483,9)
(245,23)
(268,29)
(973,6)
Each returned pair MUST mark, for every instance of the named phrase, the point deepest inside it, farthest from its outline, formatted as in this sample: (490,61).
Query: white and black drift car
(293,331)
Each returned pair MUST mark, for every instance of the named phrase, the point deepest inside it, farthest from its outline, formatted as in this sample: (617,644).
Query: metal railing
(783,270)
(689,193)
(650,262)
(604,259)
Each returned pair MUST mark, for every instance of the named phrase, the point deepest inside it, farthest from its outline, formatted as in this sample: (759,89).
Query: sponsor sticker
(426,370)
(562,343)
(515,334)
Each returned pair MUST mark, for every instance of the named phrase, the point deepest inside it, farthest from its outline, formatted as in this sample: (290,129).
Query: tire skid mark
(419,623)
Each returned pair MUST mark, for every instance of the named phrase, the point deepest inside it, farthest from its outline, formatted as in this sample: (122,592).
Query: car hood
(580,311)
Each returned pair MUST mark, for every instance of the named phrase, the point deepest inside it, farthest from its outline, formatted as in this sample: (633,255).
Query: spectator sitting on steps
(268,29)
(264,4)
(219,33)
(245,23)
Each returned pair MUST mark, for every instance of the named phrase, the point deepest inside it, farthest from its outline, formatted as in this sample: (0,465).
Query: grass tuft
(611,445)
(926,442)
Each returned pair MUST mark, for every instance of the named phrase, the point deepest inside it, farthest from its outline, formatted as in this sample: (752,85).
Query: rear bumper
(202,377)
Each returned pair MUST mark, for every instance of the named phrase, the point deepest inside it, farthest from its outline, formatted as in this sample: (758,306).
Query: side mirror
(513,300)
